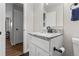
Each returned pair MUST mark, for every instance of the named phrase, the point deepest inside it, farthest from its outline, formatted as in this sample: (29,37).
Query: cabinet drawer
(43,44)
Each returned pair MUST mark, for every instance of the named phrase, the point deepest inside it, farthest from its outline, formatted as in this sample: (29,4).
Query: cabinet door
(41,52)
(32,49)
(58,43)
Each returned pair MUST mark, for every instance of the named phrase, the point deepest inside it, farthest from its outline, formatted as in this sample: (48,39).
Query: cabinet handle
(0,33)
(58,50)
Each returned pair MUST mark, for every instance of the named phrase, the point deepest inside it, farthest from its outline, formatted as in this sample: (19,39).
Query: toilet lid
(75,40)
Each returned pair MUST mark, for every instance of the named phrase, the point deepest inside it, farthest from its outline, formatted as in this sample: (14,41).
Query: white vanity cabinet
(38,47)
(32,50)
(41,52)
(56,42)
(41,47)
(37,51)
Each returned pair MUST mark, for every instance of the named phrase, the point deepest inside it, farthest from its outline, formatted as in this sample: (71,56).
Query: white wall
(71,28)
(2,29)
(38,17)
(60,15)
(28,24)
(33,17)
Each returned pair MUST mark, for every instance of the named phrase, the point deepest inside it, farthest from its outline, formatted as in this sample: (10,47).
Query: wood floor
(13,50)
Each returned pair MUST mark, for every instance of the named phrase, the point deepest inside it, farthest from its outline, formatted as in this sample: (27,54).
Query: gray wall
(7,24)
(9,13)
(8,10)
(71,28)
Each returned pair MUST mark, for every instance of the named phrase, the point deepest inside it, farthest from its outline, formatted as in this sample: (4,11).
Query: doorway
(14,29)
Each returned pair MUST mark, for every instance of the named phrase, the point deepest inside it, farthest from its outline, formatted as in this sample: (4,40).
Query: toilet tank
(76,46)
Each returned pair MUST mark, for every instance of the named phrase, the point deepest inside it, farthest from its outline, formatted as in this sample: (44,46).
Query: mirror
(53,14)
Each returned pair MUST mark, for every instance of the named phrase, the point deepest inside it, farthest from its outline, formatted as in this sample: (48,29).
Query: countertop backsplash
(59,29)
(56,29)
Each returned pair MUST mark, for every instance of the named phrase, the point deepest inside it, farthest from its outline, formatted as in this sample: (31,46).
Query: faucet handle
(54,30)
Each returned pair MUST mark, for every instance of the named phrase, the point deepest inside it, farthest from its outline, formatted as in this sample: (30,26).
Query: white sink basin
(48,35)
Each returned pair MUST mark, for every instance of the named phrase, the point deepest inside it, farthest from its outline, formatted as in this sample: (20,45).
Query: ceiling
(53,4)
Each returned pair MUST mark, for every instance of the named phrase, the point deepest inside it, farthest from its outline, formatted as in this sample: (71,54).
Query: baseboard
(25,54)
(26,51)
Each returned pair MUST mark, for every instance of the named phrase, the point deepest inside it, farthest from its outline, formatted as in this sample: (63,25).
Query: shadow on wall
(71,28)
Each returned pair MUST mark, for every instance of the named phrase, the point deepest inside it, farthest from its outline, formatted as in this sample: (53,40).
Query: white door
(18,26)
(2,29)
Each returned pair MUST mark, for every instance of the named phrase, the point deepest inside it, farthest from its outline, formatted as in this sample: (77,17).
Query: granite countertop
(45,36)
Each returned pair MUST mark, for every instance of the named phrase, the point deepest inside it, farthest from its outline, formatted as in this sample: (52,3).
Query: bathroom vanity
(45,44)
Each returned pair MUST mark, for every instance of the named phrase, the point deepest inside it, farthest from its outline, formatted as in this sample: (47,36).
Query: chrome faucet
(49,29)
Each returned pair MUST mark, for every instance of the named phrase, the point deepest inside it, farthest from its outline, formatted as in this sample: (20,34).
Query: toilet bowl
(75,41)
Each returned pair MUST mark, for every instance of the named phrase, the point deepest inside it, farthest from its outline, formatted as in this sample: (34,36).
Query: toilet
(75,46)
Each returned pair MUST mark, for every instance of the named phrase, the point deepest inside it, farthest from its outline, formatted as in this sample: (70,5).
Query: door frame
(4,53)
